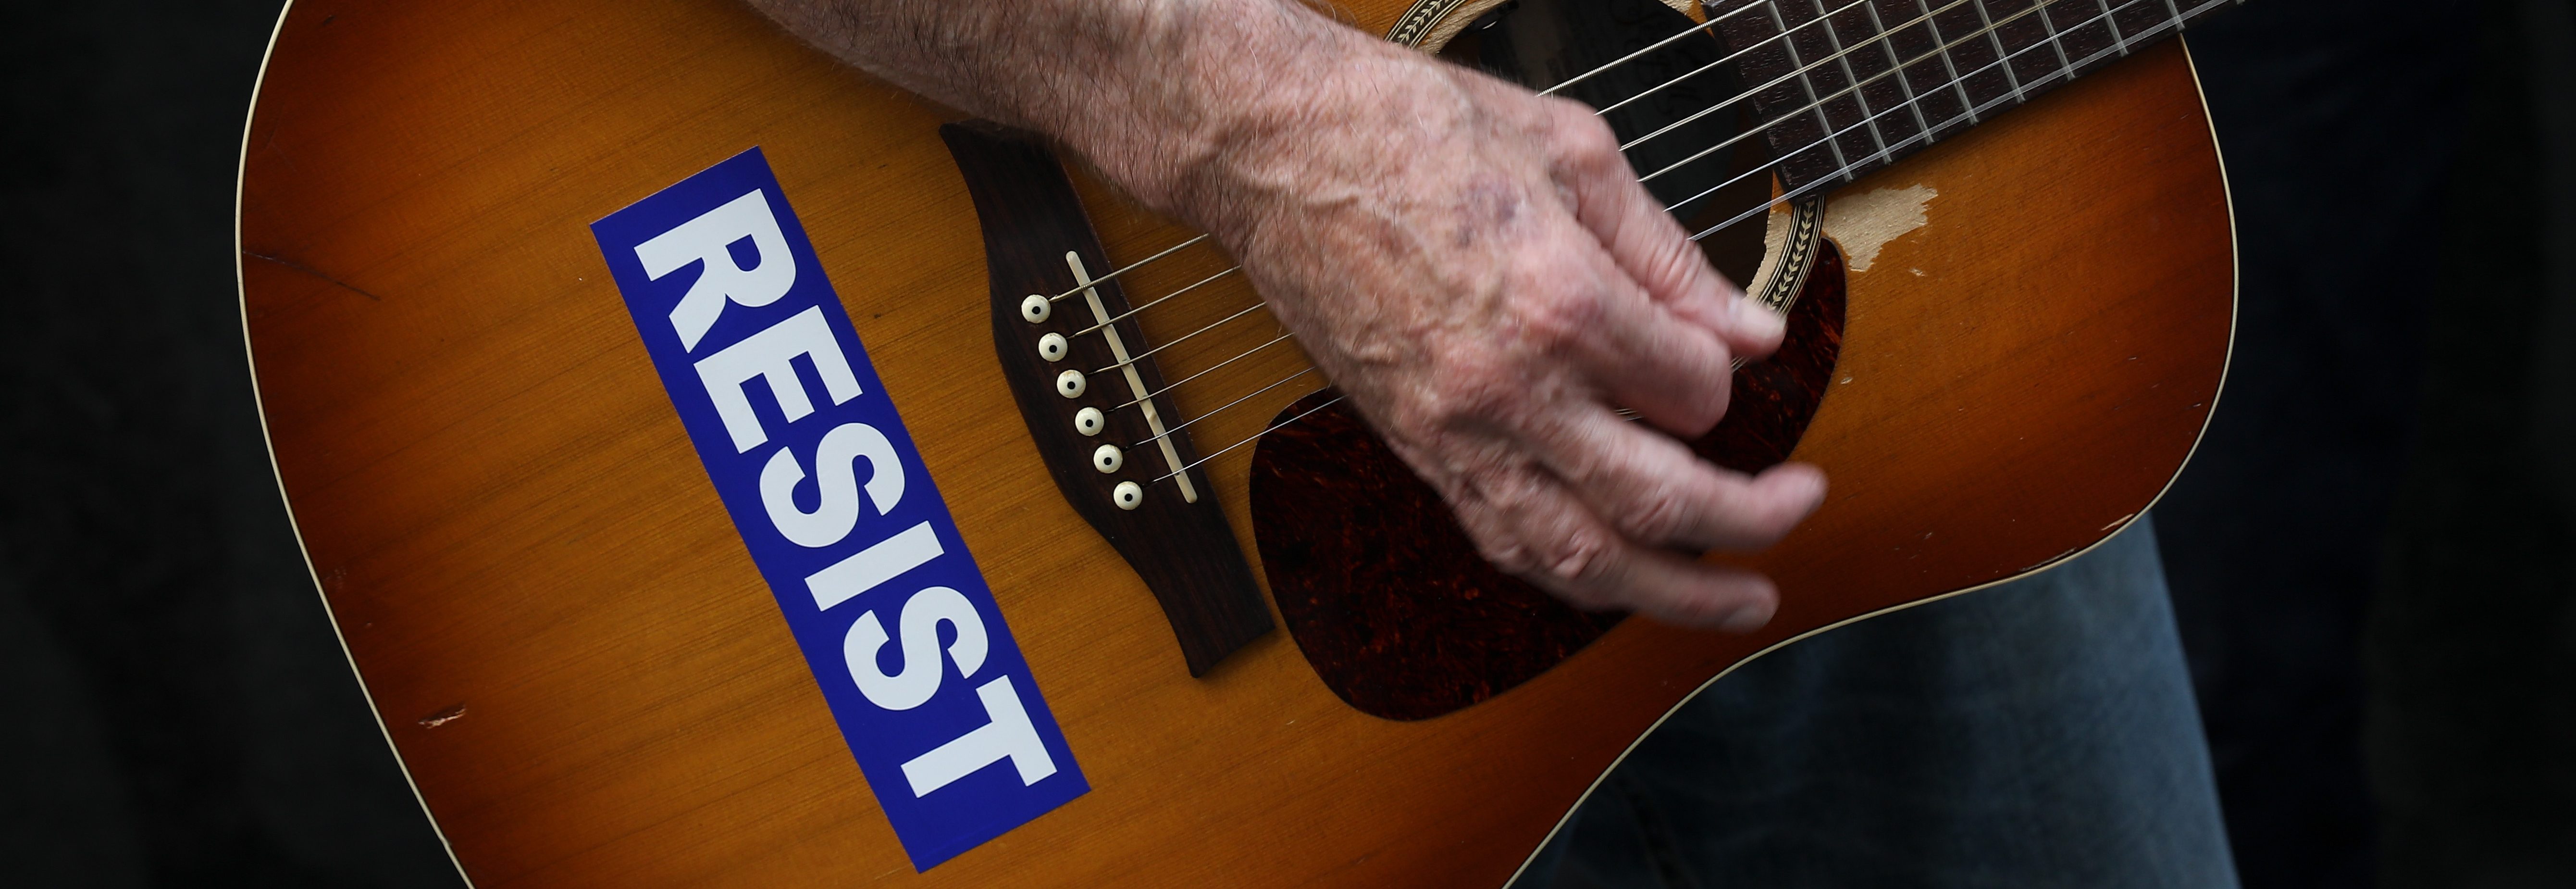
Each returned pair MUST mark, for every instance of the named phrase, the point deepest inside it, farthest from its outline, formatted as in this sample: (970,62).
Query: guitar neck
(1878,80)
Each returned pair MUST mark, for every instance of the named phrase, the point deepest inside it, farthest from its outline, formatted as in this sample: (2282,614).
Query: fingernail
(1815,483)
(1758,320)
(1805,482)
(1747,619)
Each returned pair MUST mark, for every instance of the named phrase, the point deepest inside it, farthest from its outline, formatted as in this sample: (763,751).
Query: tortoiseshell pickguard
(1385,594)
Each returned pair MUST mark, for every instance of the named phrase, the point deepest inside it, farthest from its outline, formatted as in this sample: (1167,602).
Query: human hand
(1480,272)
(1475,266)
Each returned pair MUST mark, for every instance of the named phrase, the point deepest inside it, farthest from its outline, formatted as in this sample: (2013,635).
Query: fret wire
(1794,193)
(1703,69)
(1943,49)
(1842,59)
(1805,84)
(1957,83)
(1785,157)
(1904,80)
(2056,40)
(2005,61)
(1798,73)
(1992,39)
(1969,112)
(1750,93)
(2112,24)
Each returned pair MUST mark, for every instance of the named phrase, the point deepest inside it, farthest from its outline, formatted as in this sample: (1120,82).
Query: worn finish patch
(1862,223)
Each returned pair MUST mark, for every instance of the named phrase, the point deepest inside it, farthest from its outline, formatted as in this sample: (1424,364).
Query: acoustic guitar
(723,468)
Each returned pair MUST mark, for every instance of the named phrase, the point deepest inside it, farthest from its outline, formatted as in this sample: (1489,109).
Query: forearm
(1173,99)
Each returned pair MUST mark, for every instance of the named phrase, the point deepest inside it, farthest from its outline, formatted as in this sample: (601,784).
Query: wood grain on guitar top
(509,523)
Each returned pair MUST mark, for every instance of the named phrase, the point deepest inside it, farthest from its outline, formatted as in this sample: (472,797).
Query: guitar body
(590,683)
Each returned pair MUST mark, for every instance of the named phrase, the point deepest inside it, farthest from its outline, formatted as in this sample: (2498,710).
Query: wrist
(1229,105)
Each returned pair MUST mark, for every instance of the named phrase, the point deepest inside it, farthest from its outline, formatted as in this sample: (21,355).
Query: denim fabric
(2039,733)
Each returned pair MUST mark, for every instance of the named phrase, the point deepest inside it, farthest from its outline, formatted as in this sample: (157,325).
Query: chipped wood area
(1864,222)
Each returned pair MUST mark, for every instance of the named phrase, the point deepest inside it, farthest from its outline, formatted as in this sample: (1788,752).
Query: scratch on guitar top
(443,717)
(2119,521)
(2043,563)
(309,270)
(1862,223)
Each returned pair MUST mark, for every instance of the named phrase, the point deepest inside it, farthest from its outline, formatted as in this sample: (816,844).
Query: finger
(1646,243)
(1655,491)
(1527,524)
(1673,373)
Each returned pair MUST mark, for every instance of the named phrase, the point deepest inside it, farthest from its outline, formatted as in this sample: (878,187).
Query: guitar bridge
(1086,385)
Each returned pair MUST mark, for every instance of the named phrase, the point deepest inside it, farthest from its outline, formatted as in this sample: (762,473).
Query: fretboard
(1882,79)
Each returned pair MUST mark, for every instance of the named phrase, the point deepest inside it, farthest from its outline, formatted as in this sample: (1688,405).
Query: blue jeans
(2039,733)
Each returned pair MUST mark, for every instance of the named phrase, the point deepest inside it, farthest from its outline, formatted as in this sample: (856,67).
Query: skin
(1474,265)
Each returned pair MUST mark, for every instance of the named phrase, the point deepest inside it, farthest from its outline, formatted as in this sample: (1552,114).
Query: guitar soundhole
(1383,591)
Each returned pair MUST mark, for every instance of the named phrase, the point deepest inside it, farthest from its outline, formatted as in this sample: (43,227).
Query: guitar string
(1274,427)
(1122,316)
(1800,114)
(1212,325)
(1686,32)
(1655,88)
(1659,44)
(1884,42)
(1969,114)
(1167,387)
(1910,104)
(1884,36)
(1221,408)
(1796,115)
(1825,19)
(1121,270)
(1966,114)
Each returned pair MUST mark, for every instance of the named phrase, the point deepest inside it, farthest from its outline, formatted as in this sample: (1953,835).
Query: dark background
(2370,554)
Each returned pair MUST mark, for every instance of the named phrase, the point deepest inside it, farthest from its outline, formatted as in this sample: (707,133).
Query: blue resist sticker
(833,501)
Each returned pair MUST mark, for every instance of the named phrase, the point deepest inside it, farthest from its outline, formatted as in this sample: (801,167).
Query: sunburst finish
(589,684)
